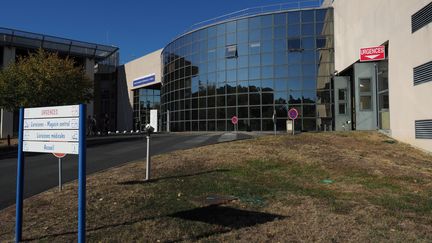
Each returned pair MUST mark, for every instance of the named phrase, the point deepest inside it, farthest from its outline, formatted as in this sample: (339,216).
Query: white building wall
(363,23)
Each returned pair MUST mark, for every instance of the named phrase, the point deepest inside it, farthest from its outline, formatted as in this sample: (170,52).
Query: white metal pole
(148,159)
(293,128)
(60,174)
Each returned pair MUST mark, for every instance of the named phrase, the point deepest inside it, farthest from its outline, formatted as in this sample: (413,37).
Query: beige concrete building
(402,105)
(137,79)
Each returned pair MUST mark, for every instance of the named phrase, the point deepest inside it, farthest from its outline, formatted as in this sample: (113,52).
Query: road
(41,170)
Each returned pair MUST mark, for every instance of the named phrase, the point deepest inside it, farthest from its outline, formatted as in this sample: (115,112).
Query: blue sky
(136,27)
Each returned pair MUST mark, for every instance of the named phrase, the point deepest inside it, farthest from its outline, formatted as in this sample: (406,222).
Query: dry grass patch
(381,191)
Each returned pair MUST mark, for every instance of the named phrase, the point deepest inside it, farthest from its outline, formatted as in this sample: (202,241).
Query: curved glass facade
(251,68)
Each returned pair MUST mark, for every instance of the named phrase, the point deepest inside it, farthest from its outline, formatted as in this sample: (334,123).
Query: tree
(43,79)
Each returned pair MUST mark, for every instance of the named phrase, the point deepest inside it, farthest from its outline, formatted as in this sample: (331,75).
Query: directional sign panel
(52,129)
(52,112)
(50,147)
(51,135)
(51,123)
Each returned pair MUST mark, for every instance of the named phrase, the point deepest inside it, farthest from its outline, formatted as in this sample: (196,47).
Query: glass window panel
(231,26)
(221,29)
(309,69)
(293,17)
(242,24)
(230,113)
(220,100)
(231,63)
(232,75)
(319,28)
(267,112)
(308,43)
(231,51)
(280,45)
(267,46)
(242,37)
(320,15)
(365,85)
(294,44)
(280,98)
(309,83)
(254,48)
(220,113)
(308,29)
(242,99)
(308,16)
(294,71)
(309,111)
(254,99)
(342,108)
(267,72)
(280,58)
(255,112)
(212,43)
(281,111)
(309,124)
(323,82)
(212,31)
(254,72)
(243,49)
(255,23)
(294,57)
(254,35)
(342,94)
(309,97)
(255,60)
(254,85)
(321,42)
(267,34)
(280,32)
(267,59)
(231,38)
(294,97)
(266,21)
(231,100)
(308,56)
(281,71)
(323,97)
(242,74)
(280,84)
(365,102)
(267,85)
(293,30)
(267,98)
(279,19)
(221,41)
(243,61)
(242,87)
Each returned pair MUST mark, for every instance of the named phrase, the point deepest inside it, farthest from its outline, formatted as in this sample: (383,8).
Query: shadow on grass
(138,182)
(232,218)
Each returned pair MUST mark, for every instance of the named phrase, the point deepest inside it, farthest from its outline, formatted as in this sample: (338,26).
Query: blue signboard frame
(144,80)
(82,155)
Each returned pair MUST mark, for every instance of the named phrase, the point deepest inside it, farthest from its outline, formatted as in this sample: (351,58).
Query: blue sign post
(57,129)
(20,179)
(82,176)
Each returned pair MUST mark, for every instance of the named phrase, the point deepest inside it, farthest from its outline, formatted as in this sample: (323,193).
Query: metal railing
(292,5)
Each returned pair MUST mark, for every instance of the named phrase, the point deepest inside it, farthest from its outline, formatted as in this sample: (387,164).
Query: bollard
(148,130)
(9,141)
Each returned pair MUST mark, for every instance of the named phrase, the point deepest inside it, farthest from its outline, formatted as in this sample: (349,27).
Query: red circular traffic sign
(293,113)
(59,155)
(234,120)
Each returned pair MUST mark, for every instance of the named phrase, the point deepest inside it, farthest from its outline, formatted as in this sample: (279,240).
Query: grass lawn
(330,187)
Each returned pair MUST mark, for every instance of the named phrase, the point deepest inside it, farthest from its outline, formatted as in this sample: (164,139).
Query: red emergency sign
(375,53)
